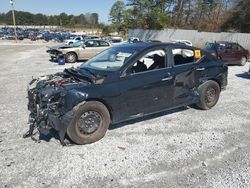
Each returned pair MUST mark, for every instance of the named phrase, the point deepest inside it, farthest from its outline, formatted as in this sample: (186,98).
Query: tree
(148,14)
(117,16)
(117,12)
(95,18)
(238,19)
(27,18)
(107,29)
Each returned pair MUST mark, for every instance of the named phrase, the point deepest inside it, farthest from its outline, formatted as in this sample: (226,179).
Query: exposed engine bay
(46,101)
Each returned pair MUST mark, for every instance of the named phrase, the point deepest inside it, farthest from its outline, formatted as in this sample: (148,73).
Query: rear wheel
(243,61)
(209,95)
(90,123)
(71,57)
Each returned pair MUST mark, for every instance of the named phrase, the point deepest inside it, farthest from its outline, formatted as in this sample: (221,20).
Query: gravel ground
(181,148)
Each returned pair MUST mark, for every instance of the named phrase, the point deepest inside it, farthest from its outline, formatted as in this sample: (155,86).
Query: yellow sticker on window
(197,54)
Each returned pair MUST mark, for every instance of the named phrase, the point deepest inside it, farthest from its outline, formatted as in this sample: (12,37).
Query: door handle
(200,69)
(167,78)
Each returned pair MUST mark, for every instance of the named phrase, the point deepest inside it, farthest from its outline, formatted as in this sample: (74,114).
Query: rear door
(103,45)
(186,74)
(228,55)
(90,49)
(238,53)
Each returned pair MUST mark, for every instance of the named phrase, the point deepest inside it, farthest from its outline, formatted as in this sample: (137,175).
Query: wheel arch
(215,80)
(73,53)
(104,103)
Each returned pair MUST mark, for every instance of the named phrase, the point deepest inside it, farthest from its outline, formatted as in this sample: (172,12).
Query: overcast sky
(52,7)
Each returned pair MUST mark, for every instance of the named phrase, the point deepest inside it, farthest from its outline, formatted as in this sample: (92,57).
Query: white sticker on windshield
(124,54)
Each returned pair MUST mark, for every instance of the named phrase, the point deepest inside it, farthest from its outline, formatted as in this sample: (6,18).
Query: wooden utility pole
(14,20)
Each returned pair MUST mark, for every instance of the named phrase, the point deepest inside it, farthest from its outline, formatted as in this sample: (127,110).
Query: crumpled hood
(60,46)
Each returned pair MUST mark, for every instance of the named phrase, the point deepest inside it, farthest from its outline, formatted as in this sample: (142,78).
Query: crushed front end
(48,106)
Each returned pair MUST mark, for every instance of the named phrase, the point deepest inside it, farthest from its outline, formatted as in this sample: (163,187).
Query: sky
(53,7)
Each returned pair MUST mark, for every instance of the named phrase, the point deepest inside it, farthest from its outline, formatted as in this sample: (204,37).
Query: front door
(147,87)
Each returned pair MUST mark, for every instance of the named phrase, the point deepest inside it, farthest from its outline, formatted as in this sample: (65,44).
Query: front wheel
(71,57)
(209,95)
(89,124)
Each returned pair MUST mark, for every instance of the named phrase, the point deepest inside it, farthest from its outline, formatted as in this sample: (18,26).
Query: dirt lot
(181,148)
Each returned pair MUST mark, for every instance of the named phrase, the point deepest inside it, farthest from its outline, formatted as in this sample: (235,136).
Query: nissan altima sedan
(121,83)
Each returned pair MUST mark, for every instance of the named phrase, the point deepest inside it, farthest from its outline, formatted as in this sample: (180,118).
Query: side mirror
(126,73)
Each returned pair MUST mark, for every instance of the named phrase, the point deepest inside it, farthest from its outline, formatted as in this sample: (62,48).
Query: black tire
(209,95)
(71,57)
(84,115)
(243,61)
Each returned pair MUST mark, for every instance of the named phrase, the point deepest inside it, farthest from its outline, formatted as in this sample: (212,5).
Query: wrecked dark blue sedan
(122,83)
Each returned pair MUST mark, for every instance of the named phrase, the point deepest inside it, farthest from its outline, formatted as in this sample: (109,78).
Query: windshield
(215,46)
(109,60)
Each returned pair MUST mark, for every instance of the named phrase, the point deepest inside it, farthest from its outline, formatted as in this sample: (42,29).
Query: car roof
(144,45)
(225,42)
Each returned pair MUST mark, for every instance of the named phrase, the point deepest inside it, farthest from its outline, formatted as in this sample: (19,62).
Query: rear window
(215,46)
(183,56)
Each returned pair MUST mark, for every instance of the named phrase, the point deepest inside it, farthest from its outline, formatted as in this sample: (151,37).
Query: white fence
(197,38)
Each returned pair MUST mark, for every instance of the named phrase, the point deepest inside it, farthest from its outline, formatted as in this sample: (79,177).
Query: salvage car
(79,50)
(229,52)
(122,83)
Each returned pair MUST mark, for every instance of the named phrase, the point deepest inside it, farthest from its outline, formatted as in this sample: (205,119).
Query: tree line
(63,19)
(202,15)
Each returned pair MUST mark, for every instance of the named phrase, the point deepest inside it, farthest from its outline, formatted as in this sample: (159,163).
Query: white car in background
(186,42)
(116,40)
(76,39)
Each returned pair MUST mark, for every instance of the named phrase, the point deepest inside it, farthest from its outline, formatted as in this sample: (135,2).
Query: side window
(229,46)
(183,56)
(96,43)
(236,47)
(89,43)
(152,60)
(103,43)
(240,47)
(78,38)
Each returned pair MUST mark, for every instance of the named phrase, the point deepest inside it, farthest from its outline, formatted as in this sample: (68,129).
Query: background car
(79,50)
(76,39)
(186,42)
(229,52)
